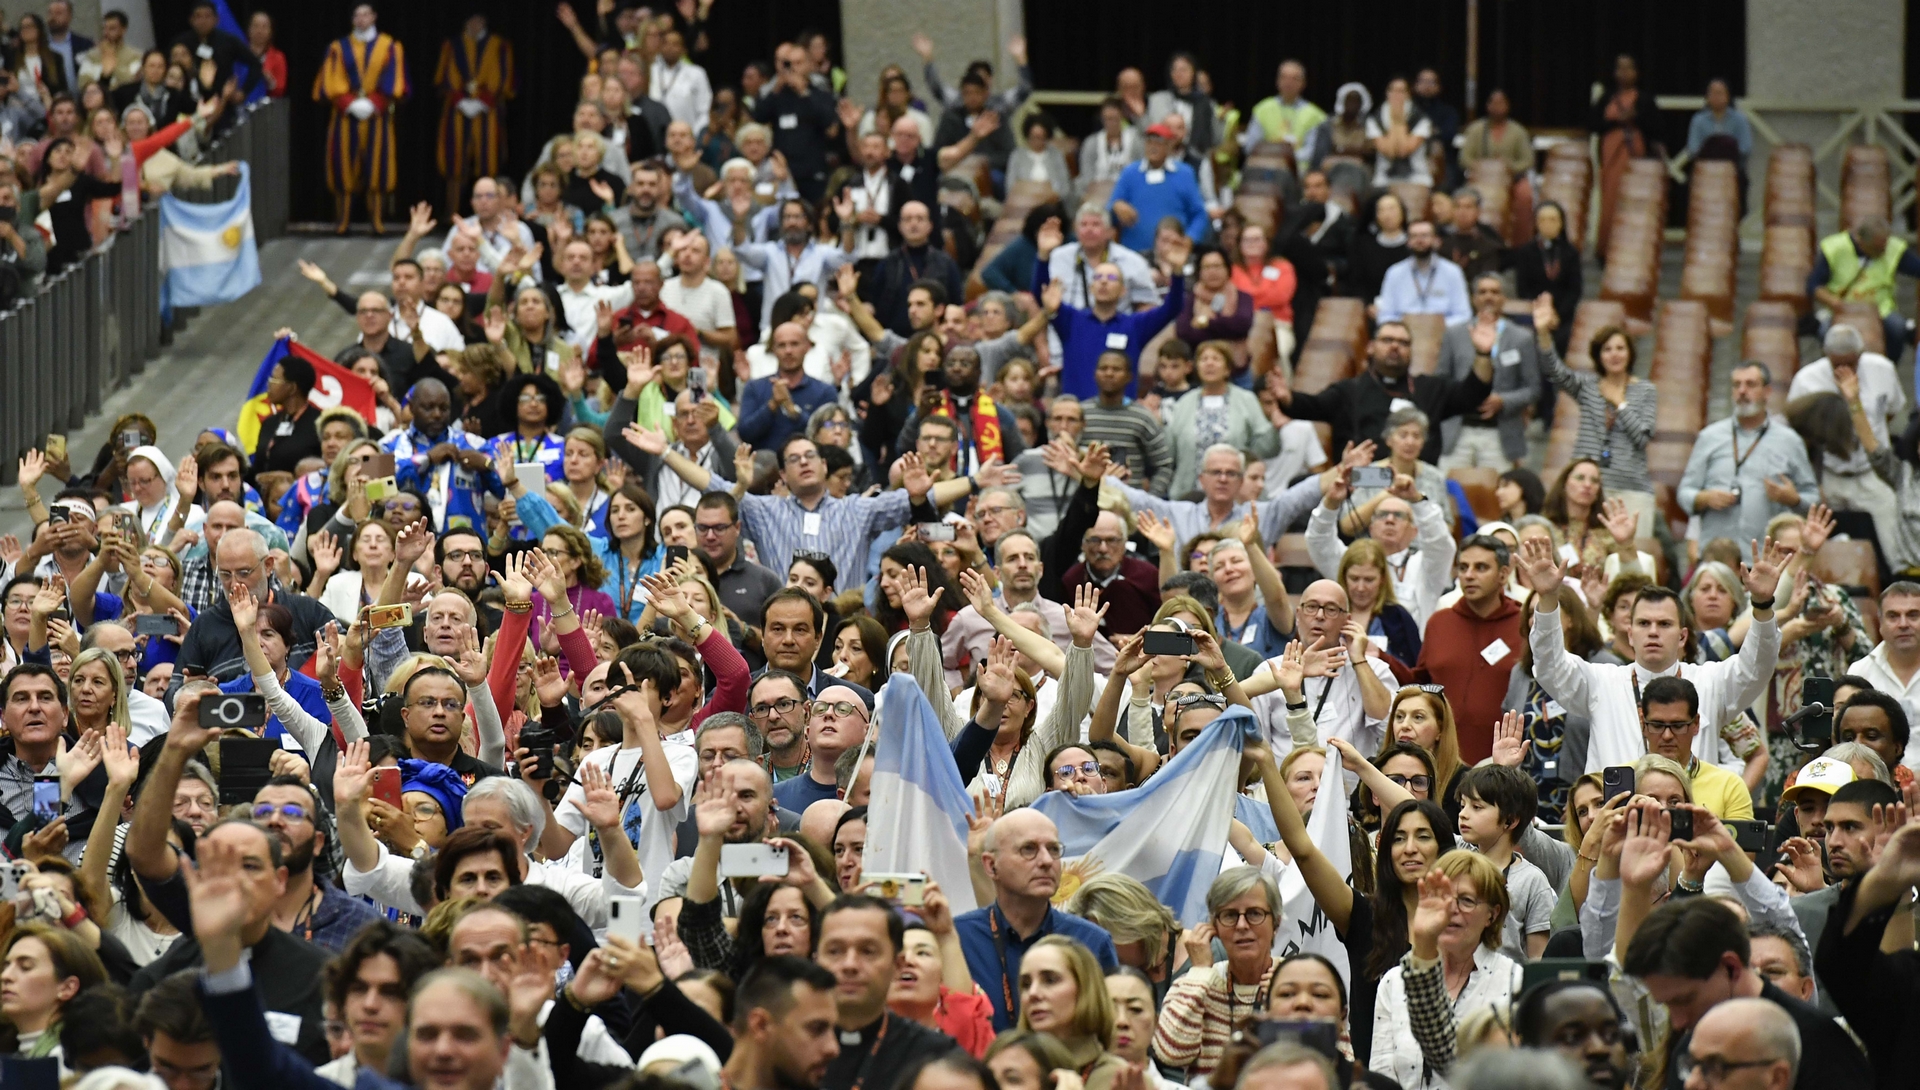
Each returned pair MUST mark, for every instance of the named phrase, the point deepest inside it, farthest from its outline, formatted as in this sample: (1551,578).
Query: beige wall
(876,32)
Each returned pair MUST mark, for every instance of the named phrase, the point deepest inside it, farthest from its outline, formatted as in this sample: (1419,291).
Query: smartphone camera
(230,711)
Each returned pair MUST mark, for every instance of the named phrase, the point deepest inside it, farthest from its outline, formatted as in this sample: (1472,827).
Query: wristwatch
(420,851)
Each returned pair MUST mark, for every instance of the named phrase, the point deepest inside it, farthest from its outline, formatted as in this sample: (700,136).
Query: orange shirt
(1272,289)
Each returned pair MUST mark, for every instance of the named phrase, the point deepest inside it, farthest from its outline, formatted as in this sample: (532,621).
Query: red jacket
(1133,596)
(1451,655)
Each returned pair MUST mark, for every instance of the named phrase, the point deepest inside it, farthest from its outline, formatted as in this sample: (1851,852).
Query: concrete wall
(1834,51)
(877,32)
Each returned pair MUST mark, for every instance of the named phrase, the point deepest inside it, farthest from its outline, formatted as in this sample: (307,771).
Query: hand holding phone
(386,786)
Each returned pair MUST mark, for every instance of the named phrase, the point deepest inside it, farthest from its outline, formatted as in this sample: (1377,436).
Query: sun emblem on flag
(230,238)
(1074,875)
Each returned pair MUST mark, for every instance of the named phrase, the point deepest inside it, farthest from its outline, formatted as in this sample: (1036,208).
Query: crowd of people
(525,731)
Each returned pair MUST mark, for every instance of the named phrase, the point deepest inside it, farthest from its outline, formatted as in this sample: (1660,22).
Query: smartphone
(1682,824)
(382,488)
(244,765)
(1373,476)
(1615,780)
(155,624)
(398,615)
(380,465)
(1321,1037)
(46,799)
(386,786)
(752,860)
(530,471)
(1816,731)
(57,513)
(131,438)
(1753,836)
(675,554)
(1546,970)
(56,448)
(902,889)
(228,711)
(936,531)
(627,916)
(1160,642)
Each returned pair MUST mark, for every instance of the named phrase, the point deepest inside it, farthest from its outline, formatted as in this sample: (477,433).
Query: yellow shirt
(1721,792)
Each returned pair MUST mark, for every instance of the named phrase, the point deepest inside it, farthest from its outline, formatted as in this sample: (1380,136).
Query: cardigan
(1248,430)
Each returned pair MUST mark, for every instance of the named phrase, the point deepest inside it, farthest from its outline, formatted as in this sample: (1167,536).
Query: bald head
(906,137)
(818,821)
(1322,611)
(1749,1032)
(790,344)
(1010,830)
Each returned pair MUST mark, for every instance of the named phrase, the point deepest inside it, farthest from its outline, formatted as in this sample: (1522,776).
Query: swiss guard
(363,77)
(476,78)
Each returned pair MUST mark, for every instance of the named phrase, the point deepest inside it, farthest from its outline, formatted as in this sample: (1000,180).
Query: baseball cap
(1824,774)
(1160,131)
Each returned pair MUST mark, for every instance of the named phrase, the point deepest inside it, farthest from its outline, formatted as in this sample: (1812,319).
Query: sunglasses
(1421,782)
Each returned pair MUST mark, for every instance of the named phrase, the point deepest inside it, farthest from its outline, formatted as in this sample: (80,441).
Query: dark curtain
(548,63)
(1545,54)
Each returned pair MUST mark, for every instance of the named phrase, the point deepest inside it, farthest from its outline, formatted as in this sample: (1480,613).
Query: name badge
(1271,272)
(1510,357)
(283,1027)
(789,121)
(1569,554)
(1399,403)
(1495,651)
(1247,636)
(205,52)
(810,524)
(1549,768)
(1155,177)
(285,429)
(1555,708)
(765,189)
(1213,401)
(907,172)
(1117,340)
(289,742)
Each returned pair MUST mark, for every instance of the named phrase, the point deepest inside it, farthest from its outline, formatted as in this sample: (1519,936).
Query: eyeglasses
(843,709)
(239,575)
(1392,516)
(427,704)
(127,657)
(1033,850)
(196,1076)
(1102,541)
(1316,609)
(461,555)
(1421,782)
(993,512)
(712,529)
(532,397)
(292,811)
(1402,341)
(1661,726)
(1713,1068)
(803,458)
(1465,903)
(1231,917)
(1106,278)
(781,706)
(1066,772)
(425,811)
(1222,473)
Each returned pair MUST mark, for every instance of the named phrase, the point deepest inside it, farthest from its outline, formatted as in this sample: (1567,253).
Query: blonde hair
(115,675)
(1092,1005)
(1366,552)
(1446,750)
(1653,762)
(1571,831)
(1129,911)
(1487,880)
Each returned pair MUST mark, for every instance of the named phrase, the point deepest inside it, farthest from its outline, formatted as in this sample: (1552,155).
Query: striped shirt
(1626,469)
(1139,440)
(841,528)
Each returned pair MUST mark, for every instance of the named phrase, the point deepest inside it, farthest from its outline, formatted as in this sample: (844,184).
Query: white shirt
(581,307)
(1336,706)
(708,306)
(1396,1052)
(684,90)
(871,192)
(441,334)
(1880,396)
(1876,669)
(831,334)
(1420,573)
(623,766)
(1300,450)
(1606,694)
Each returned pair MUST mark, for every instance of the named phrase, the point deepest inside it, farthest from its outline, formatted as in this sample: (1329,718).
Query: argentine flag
(918,808)
(1303,927)
(206,250)
(1170,832)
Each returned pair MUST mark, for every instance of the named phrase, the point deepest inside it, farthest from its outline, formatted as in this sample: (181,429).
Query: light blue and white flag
(1170,832)
(207,254)
(918,808)
(1303,927)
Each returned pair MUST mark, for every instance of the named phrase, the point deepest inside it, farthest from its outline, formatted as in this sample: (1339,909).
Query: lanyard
(1325,691)
(1433,271)
(1000,947)
(872,1051)
(1740,459)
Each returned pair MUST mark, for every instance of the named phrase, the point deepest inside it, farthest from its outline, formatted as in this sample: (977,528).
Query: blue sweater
(1083,336)
(1176,194)
(1012,267)
(766,427)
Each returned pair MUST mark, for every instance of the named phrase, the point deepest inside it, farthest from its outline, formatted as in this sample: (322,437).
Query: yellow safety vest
(1850,279)
(1280,123)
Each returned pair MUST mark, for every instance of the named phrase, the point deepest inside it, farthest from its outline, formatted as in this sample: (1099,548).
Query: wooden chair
(1770,336)
(1851,564)
(1786,260)
(1291,552)
(1589,318)
(1479,483)
(1333,351)
(1414,196)
(1864,317)
(1427,331)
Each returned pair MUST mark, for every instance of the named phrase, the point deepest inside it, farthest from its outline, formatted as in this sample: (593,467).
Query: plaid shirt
(1433,1017)
(702,928)
(337,919)
(197,582)
(841,528)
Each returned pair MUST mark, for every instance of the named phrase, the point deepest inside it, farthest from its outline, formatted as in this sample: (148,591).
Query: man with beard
(836,722)
(792,259)
(462,558)
(862,943)
(1423,282)
(1128,583)
(1358,407)
(777,701)
(915,261)
(984,430)
(1580,1020)
(1850,831)
(739,793)
(783,1027)
(438,459)
(1743,470)
(1020,568)
(311,907)
(647,216)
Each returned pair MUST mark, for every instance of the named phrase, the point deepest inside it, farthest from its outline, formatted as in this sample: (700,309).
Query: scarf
(984,427)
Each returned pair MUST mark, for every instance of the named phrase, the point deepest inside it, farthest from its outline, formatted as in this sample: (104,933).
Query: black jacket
(887,285)
(212,645)
(1358,407)
(1878,993)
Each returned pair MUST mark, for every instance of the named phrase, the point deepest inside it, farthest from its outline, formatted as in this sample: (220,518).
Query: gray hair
(194,770)
(1467,193)
(1236,881)
(477,988)
(250,536)
(1848,752)
(1046,623)
(1766,373)
(1399,418)
(752,131)
(1014,499)
(756,741)
(1239,456)
(1722,575)
(1844,340)
(737,163)
(523,807)
(1523,1069)
(432,253)
(825,415)
(1289,1053)
(1525,521)
(1014,311)
(1796,942)
(1000,546)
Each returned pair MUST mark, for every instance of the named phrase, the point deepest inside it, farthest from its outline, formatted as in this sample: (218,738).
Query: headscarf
(1340,96)
(165,469)
(439,781)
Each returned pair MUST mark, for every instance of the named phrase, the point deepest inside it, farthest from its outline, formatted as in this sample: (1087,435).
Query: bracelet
(1684,886)
(1758,604)
(1300,707)
(556,614)
(517,607)
(573,1001)
(1590,861)
(75,918)
(337,692)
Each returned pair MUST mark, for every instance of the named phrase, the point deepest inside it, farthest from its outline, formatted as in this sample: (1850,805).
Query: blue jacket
(304,690)
(766,427)
(1083,336)
(993,952)
(537,516)
(249,1053)
(464,487)
(1176,193)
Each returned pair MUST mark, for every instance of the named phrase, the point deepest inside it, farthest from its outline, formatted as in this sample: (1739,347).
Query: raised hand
(1336,484)
(1290,669)
(1062,457)
(218,891)
(1198,942)
(325,550)
(1128,657)
(516,586)
(472,662)
(1764,576)
(996,677)
(1155,529)
(996,474)
(1509,740)
(546,576)
(1207,653)
(1543,575)
(1433,911)
(1325,658)
(599,802)
(1083,620)
(328,649)
(414,542)
(1619,520)
(77,763)
(494,324)
(420,221)
(914,475)
(1545,318)
(915,602)
(1800,865)
(246,611)
(651,440)
(122,762)
(1816,529)
(1643,854)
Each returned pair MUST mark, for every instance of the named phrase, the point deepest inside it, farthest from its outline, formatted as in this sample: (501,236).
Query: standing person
(804,121)
(1496,434)
(1158,186)
(1550,265)
(679,84)
(113,63)
(916,262)
(363,77)
(1423,282)
(1086,334)
(273,63)
(1287,117)
(1616,117)
(204,39)
(1893,666)
(1617,408)
(1472,647)
(1358,408)
(476,77)
(1743,471)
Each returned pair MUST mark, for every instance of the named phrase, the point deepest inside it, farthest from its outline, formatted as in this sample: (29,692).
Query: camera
(233,710)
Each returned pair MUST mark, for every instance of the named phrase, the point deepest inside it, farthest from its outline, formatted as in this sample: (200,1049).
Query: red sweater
(1450,655)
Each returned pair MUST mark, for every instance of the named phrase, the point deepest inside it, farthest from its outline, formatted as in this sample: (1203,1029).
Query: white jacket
(1420,579)
(1396,1051)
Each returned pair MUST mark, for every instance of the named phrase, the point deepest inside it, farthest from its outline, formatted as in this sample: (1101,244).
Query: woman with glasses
(1549,726)
(1199,1015)
(16,618)
(578,572)
(657,373)
(294,701)
(345,503)
(538,406)
(1072,768)
(1453,969)
(1064,993)
(1406,433)
(1405,766)
(832,426)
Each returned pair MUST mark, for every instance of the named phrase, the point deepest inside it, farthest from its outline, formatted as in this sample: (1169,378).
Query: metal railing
(92,328)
